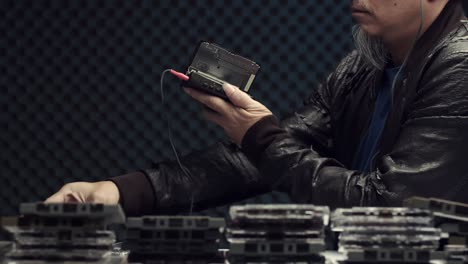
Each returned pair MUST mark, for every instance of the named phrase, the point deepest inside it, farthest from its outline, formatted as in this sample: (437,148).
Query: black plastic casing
(212,66)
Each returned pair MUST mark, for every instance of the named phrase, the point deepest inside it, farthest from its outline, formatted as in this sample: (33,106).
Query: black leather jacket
(423,151)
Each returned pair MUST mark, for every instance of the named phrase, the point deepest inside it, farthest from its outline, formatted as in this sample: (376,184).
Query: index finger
(58,197)
(213,102)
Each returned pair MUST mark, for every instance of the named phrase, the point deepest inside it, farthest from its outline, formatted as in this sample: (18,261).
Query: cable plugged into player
(179,75)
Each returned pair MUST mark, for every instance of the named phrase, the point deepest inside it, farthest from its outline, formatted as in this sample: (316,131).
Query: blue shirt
(369,145)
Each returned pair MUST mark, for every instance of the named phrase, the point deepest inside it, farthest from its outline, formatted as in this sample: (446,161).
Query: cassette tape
(101,261)
(72,238)
(393,237)
(383,212)
(393,256)
(173,234)
(441,208)
(456,249)
(194,248)
(456,254)
(212,66)
(458,240)
(384,217)
(179,259)
(111,214)
(30,222)
(280,215)
(313,259)
(272,234)
(260,247)
(5,246)
(339,224)
(65,247)
(85,256)
(408,231)
(456,260)
(387,243)
(457,228)
(175,222)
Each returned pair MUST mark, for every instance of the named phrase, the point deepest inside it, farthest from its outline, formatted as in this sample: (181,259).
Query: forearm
(217,175)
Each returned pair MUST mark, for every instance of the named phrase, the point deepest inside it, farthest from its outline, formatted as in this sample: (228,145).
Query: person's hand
(235,117)
(105,192)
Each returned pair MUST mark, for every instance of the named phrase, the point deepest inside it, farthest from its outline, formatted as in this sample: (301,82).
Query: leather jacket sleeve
(211,177)
(428,158)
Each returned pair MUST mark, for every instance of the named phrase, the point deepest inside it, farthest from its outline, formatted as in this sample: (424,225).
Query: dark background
(79,80)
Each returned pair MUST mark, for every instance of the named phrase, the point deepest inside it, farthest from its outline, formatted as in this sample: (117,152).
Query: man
(389,123)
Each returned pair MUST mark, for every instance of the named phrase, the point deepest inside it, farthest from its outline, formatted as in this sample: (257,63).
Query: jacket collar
(448,20)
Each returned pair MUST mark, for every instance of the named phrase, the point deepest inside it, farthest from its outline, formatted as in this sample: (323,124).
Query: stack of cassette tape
(63,233)
(174,239)
(386,235)
(5,247)
(283,233)
(452,218)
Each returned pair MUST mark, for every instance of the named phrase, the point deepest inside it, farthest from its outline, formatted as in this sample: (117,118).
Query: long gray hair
(370,48)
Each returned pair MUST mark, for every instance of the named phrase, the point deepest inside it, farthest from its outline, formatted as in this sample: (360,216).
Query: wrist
(259,136)
(110,190)
(134,193)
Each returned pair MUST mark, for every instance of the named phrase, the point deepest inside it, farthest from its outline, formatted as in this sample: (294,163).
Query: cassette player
(212,66)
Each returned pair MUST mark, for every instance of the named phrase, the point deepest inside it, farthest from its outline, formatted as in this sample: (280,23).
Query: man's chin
(371,30)
(369,44)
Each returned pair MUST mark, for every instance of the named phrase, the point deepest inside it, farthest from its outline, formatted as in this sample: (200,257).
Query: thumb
(236,96)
